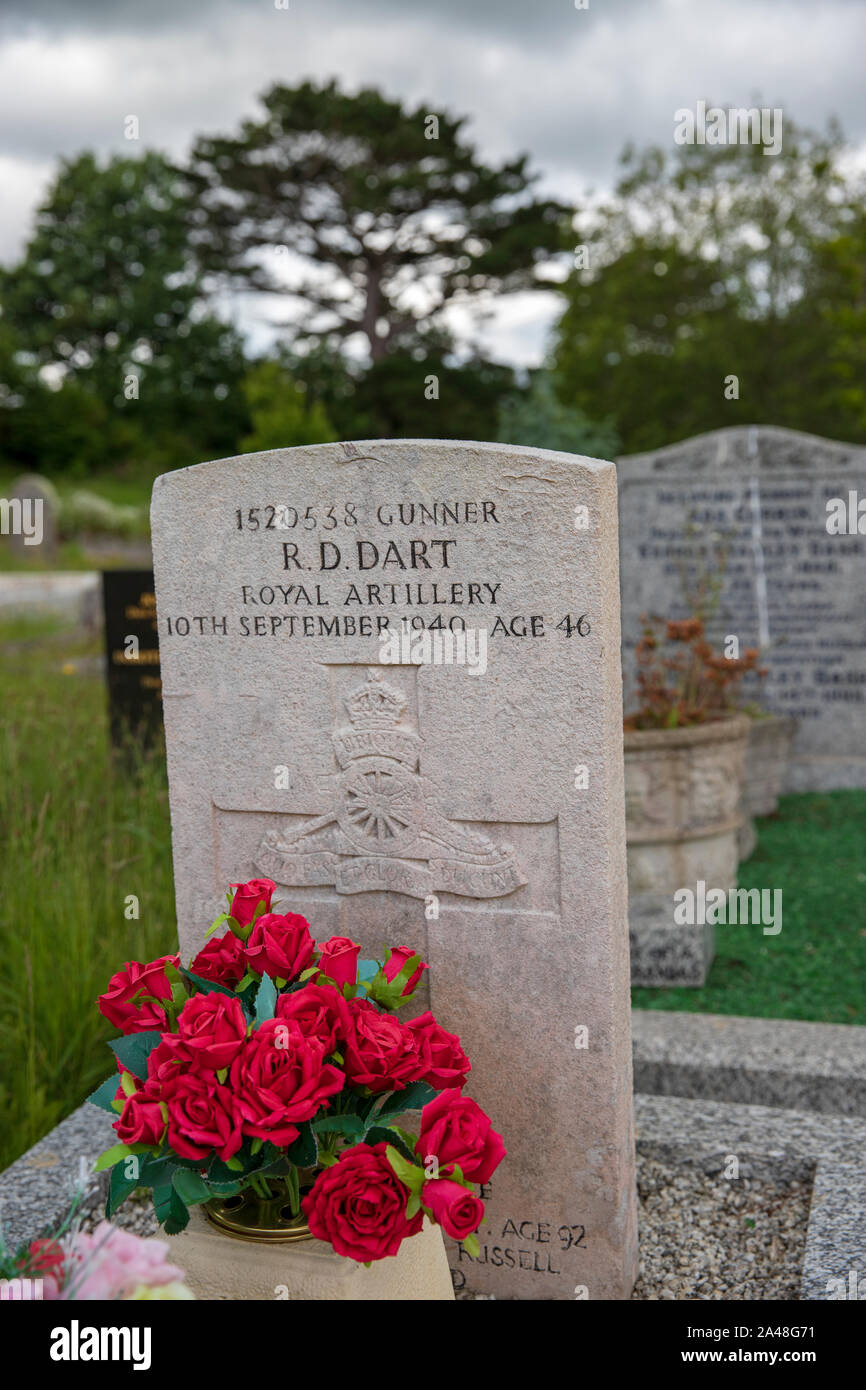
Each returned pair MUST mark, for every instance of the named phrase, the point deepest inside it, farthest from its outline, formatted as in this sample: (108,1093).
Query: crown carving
(375,704)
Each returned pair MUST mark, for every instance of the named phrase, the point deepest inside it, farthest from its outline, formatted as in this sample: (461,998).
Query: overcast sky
(570,86)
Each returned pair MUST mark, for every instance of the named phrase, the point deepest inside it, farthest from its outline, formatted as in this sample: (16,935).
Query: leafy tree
(281,412)
(389,212)
(538,419)
(436,398)
(709,263)
(108,290)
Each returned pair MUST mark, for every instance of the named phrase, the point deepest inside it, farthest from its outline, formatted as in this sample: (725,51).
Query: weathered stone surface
(38,1189)
(271,660)
(791,588)
(755,1061)
(766,764)
(683,794)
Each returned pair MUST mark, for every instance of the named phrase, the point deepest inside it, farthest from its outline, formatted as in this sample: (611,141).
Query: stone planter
(219,1265)
(769,748)
(683,792)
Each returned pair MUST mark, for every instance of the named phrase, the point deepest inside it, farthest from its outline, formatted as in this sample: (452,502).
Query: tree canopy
(389,215)
(713,262)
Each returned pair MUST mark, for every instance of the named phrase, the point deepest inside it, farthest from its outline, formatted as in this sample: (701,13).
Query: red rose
(118,1004)
(203,1117)
(43,1257)
(211,1029)
(394,964)
(380,1052)
(222,960)
(456,1131)
(457,1210)
(359,1205)
(445,1063)
(142,1120)
(247,898)
(339,960)
(319,1010)
(280,1079)
(165,1063)
(280,946)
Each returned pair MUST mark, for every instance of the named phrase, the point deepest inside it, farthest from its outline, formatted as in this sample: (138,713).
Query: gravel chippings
(701,1237)
(136,1214)
(710,1238)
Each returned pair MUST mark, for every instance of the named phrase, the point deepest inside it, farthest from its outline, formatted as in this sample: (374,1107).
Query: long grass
(82,831)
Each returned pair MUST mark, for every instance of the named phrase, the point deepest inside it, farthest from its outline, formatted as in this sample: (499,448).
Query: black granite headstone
(132,653)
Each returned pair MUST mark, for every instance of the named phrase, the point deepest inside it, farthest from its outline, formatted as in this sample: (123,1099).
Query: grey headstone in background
(39,499)
(275,573)
(791,587)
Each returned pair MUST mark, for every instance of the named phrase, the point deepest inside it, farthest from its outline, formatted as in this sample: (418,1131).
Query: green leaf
(235,1165)
(249,979)
(410,1174)
(378,1134)
(266,999)
(306,975)
(221,1179)
(119,1188)
(171,1210)
(205,986)
(223,917)
(110,1157)
(409,1139)
(389,993)
(256,1145)
(304,1151)
(350,1125)
(104,1095)
(190,1187)
(157,1172)
(471,1246)
(326,1160)
(415,1097)
(413,1205)
(127,1084)
(237,930)
(456,1175)
(134,1050)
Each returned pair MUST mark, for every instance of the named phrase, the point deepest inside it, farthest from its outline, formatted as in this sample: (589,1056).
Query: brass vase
(249,1216)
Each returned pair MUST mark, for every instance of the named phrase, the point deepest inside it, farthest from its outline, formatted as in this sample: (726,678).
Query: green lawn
(813,850)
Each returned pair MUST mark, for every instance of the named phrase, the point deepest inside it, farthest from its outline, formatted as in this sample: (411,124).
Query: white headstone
(475,814)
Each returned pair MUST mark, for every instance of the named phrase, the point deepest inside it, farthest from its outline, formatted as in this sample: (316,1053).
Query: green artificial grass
(815,969)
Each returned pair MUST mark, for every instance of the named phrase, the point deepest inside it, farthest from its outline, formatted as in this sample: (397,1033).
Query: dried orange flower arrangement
(681,679)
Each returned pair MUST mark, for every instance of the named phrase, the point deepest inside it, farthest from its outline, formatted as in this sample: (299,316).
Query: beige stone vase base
(222,1266)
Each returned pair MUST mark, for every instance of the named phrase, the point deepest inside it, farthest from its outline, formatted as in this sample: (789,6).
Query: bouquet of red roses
(279,1065)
